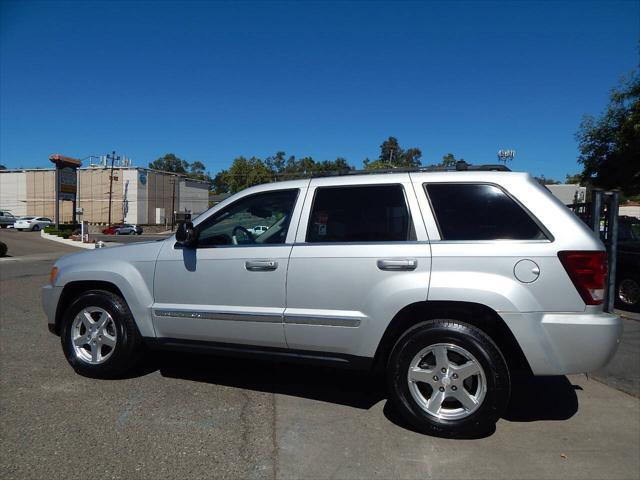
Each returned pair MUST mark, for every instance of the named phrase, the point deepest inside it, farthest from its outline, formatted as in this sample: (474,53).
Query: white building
(139,195)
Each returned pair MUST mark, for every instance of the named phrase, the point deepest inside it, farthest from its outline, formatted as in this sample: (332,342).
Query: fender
(130,268)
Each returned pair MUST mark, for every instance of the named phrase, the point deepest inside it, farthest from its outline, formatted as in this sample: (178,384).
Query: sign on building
(67,183)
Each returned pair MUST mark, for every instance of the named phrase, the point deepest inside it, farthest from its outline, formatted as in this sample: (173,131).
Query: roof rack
(460,166)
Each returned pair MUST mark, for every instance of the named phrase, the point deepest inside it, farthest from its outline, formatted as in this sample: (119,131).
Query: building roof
(143,169)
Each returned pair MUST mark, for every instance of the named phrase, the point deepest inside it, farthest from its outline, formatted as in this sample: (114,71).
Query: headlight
(53,275)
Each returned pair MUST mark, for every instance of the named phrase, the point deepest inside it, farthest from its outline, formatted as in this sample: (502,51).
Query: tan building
(140,195)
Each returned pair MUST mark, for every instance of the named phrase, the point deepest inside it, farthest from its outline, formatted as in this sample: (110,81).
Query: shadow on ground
(532,398)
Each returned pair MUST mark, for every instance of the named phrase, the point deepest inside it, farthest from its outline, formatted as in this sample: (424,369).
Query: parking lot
(185,416)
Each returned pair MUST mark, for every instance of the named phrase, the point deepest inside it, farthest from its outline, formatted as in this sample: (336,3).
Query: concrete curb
(66,241)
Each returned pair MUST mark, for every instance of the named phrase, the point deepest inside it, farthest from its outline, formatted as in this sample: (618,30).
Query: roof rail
(460,166)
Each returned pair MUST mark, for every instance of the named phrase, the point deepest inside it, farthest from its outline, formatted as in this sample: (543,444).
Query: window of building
(479,212)
(376,213)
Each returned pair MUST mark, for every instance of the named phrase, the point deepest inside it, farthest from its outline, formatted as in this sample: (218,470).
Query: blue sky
(210,81)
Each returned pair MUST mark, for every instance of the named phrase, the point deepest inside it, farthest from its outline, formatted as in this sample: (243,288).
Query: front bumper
(566,343)
(50,297)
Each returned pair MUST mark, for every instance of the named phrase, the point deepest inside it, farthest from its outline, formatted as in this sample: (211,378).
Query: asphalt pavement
(184,416)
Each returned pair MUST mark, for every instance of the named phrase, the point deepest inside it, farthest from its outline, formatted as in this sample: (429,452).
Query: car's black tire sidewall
(36,228)
(618,302)
(128,345)
(475,342)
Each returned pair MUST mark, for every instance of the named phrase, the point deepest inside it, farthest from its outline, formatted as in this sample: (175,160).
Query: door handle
(399,264)
(260,265)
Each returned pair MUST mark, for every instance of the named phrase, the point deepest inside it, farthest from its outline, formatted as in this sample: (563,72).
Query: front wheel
(36,228)
(448,378)
(99,335)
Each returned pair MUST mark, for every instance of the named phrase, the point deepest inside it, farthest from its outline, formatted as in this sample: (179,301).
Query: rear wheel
(99,336)
(448,378)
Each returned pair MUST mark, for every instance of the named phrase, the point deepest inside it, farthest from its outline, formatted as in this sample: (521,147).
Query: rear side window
(376,213)
(479,212)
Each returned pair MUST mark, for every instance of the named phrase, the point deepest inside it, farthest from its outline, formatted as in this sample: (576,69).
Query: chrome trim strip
(322,321)
(211,315)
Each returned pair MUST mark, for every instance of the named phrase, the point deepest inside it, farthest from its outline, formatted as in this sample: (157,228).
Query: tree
(610,145)
(170,163)
(2,167)
(197,170)
(577,178)
(542,180)
(393,156)
(242,174)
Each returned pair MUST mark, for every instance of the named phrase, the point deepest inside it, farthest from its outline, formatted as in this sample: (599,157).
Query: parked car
(628,264)
(127,229)
(447,282)
(6,219)
(258,230)
(32,223)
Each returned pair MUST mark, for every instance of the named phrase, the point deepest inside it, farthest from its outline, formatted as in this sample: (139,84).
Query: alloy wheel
(93,335)
(447,381)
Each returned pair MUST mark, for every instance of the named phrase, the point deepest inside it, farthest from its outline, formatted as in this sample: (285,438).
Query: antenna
(506,155)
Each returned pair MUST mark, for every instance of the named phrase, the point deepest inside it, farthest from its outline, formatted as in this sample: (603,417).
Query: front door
(230,288)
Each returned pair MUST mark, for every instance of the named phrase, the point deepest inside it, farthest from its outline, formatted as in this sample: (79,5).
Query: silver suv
(448,282)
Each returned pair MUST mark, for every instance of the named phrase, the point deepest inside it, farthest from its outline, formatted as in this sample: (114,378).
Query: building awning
(65,161)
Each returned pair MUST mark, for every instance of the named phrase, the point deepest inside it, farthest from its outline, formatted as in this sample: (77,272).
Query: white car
(258,230)
(32,223)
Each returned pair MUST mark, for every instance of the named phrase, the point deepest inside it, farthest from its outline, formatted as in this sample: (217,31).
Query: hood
(133,252)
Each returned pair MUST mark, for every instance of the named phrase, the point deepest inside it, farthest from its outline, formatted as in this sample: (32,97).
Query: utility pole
(113,159)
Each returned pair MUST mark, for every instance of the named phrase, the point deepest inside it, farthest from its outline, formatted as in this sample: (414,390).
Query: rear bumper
(50,298)
(566,343)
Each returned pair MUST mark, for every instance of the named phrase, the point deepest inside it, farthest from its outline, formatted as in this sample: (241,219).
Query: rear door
(361,255)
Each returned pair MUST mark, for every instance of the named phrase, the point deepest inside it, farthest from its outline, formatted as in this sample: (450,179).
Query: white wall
(567,192)
(13,192)
(130,196)
(193,196)
(630,211)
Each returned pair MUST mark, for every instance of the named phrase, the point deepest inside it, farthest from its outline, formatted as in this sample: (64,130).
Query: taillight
(588,272)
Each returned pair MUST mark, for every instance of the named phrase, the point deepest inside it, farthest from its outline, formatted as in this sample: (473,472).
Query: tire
(36,228)
(113,361)
(117,232)
(485,393)
(628,292)
(3,249)
(3,226)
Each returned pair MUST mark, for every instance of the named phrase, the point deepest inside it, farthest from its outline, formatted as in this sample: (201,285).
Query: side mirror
(186,235)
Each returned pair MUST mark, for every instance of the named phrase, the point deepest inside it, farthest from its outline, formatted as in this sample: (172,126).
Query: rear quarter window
(467,211)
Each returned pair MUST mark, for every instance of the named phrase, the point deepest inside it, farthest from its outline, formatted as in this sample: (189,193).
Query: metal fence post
(595,211)
(612,248)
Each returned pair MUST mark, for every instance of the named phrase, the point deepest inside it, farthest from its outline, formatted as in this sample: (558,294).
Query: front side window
(376,213)
(467,211)
(262,218)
